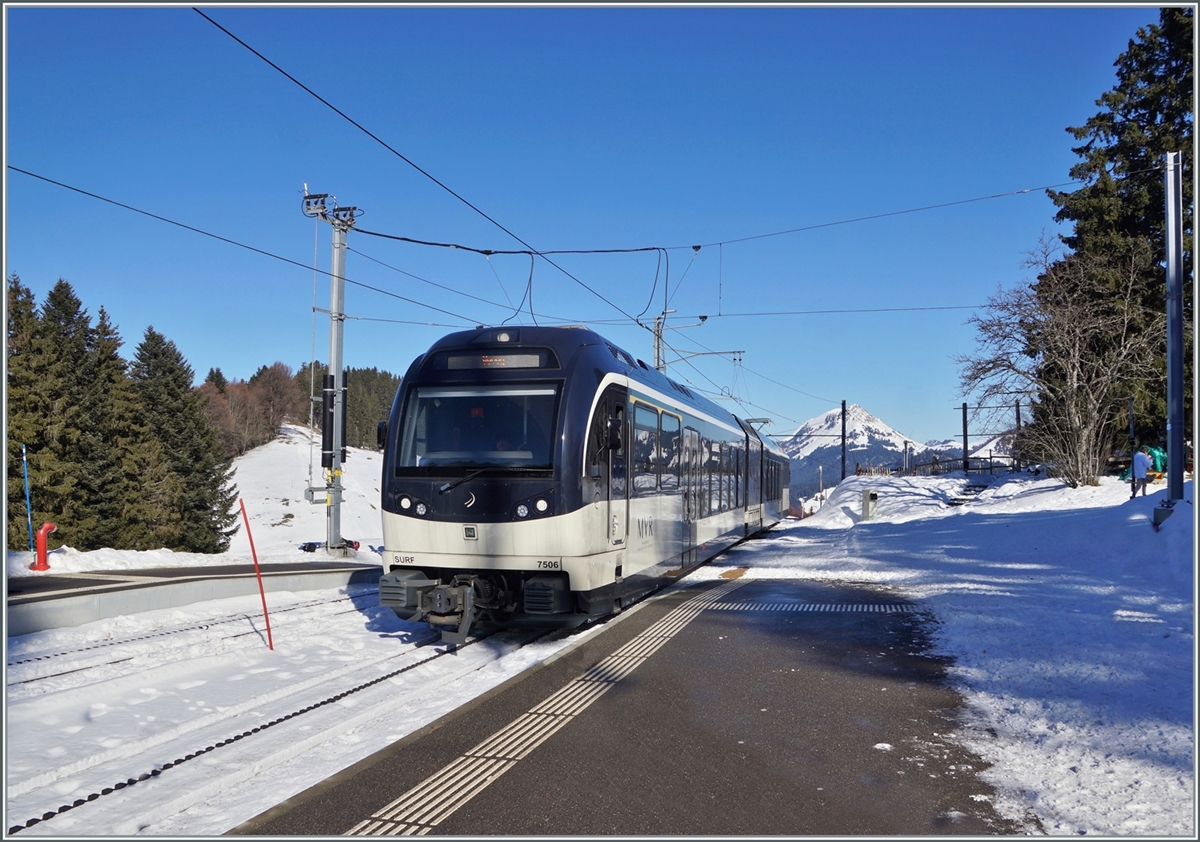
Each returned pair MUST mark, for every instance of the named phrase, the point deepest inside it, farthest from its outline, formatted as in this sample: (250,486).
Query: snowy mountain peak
(863,432)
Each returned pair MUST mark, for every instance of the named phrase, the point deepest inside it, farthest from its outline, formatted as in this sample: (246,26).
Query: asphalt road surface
(763,707)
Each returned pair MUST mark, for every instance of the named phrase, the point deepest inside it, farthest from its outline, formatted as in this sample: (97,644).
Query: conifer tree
(216,378)
(370,393)
(23,427)
(173,411)
(51,411)
(1119,210)
(133,497)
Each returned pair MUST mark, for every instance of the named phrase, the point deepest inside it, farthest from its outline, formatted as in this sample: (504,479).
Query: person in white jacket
(1141,464)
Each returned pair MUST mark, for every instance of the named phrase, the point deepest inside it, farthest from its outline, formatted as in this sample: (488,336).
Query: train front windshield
(479,427)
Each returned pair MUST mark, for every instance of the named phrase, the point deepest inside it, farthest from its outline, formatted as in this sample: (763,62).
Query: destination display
(493,359)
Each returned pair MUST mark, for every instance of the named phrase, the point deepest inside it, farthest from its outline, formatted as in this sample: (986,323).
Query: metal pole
(658,352)
(28,506)
(1176,456)
(1016,454)
(966,464)
(843,439)
(333,541)
(1132,439)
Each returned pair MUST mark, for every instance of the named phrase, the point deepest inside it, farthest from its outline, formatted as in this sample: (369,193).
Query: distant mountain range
(815,449)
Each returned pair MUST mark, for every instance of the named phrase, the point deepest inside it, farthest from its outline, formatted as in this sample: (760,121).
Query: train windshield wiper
(456,483)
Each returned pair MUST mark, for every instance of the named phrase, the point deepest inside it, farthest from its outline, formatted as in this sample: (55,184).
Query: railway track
(28,665)
(214,708)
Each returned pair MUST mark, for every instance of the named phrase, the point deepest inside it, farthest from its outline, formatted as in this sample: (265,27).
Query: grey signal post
(342,220)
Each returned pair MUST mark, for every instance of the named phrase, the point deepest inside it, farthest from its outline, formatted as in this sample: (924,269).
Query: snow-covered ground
(1070,621)
(1069,618)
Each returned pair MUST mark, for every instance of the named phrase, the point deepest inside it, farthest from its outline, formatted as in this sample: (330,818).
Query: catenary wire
(544,316)
(431,283)
(851,310)
(448,312)
(490,252)
(679,283)
(498,281)
(438,309)
(764,377)
(264,253)
(406,160)
(654,287)
(541,254)
(723,243)
(723,393)
(921,209)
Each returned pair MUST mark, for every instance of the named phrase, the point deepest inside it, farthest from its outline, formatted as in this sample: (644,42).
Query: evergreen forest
(127,453)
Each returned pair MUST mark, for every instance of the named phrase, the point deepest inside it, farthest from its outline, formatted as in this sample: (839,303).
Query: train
(544,477)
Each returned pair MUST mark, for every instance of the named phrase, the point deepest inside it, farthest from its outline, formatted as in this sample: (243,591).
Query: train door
(691,493)
(606,457)
(618,482)
(754,486)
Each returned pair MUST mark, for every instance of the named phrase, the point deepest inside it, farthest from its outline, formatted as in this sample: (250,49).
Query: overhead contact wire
(406,160)
(236,243)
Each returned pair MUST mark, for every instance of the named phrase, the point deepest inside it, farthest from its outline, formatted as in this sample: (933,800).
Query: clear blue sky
(575,128)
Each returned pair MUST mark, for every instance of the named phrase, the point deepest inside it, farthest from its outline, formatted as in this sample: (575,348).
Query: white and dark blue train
(541,476)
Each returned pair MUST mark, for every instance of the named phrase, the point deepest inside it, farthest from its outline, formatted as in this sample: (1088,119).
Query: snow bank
(270,480)
(1069,621)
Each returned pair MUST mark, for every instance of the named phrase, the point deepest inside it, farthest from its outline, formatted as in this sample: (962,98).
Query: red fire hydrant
(41,563)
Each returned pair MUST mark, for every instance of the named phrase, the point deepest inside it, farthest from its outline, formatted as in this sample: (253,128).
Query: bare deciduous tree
(1074,342)
(279,398)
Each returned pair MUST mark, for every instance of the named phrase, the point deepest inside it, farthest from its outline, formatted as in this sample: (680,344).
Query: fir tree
(1119,210)
(133,497)
(175,415)
(51,408)
(308,381)
(370,393)
(23,427)
(216,378)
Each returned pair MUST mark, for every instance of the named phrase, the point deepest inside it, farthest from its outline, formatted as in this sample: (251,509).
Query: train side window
(737,476)
(726,478)
(670,453)
(596,456)
(617,466)
(713,469)
(690,461)
(645,450)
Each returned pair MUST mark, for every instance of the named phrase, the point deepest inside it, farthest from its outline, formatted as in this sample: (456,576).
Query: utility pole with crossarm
(333,404)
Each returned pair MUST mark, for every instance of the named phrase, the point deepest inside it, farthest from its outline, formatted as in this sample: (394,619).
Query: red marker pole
(258,573)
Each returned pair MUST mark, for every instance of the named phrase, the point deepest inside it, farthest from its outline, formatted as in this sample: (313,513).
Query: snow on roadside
(1070,622)
(270,480)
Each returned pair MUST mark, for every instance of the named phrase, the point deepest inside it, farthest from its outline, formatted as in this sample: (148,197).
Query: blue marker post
(28,508)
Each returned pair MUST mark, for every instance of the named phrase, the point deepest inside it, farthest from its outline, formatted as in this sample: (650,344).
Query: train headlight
(406,503)
(522,510)
(541,504)
(422,509)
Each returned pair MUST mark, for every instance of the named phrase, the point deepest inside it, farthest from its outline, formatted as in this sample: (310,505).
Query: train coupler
(452,606)
(416,598)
